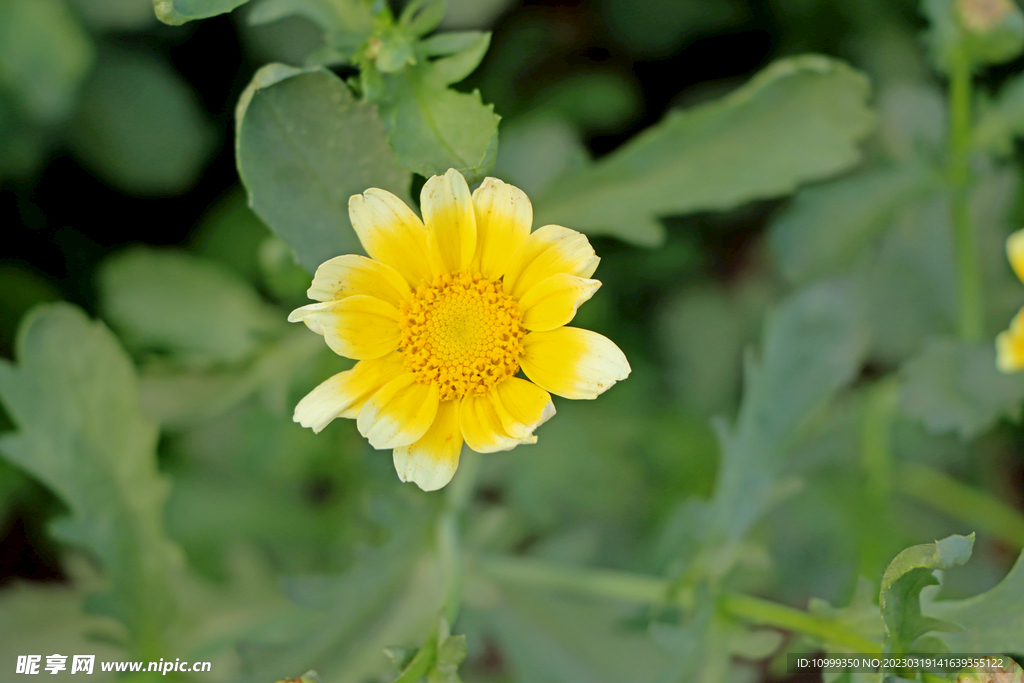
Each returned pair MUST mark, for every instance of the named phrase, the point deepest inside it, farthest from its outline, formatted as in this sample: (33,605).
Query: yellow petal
(521,406)
(482,428)
(431,462)
(351,274)
(399,414)
(553,301)
(1015,252)
(504,216)
(360,327)
(448,212)
(545,252)
(344,394)
(573,363)
(392,234)
(1010,346)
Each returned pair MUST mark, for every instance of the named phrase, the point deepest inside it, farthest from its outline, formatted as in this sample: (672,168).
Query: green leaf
(537,150)
(177,12)
(304,146)
(1002,120)
(906,576)
(451,651)
(812,347)
(346,24)
(955,386)
(178,399)
(991,622)
(44,57)
(73,396)
(555,639)
(44,618)
(826,226)
(797,121)
(140,126)
(22,143)
(431,127)
(392,594)
(116,15)
(231,234)
(195,310)
(420,17)
(861,616)
(22,290)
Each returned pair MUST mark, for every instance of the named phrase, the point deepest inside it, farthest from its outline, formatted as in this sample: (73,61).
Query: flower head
(443,316)
(981,16)
(1010,343)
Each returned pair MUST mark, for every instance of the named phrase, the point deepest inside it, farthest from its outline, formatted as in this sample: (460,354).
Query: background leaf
(187,307)
(304,146)
(116,15)
(827,226)
(955,386)
(74,399)
(42,619)
(798,120)
(561,640)
(139,125)
(389,597)
(44,57)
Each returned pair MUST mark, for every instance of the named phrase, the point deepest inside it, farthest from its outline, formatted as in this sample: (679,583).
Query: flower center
(462,333)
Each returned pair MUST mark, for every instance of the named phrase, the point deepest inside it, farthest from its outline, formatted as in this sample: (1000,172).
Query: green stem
(458,493)
(877,417)
(976,507)
(626,586)
(768,613)
(968,274)
(421,662)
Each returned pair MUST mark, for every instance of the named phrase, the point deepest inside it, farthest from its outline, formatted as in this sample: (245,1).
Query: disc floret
(462,333)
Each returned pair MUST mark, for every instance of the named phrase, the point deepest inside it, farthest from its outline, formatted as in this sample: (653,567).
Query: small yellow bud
(981,16)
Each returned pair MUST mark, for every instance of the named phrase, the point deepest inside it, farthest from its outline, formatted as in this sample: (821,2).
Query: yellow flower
(441,318)
(1010,344)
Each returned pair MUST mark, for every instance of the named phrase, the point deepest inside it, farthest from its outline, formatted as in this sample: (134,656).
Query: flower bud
(981,16)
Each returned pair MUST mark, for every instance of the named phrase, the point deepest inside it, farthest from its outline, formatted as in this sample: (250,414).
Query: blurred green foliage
(802,408)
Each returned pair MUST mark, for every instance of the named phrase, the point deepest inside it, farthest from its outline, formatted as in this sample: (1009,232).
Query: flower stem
(968,274)
(458,494)
(974,506)
(768,613)
(629,587)
(877,416)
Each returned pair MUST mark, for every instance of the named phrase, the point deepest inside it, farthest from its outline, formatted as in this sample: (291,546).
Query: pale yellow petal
(522,406)
(399,414)
(351,274)
(1015,252)
(546,252)
(553,301)
(391,233)
(359,327)
(1010,346)
(344,394)
(504,216)
(431,462)
(448,213)
(573,363)
(482,428)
